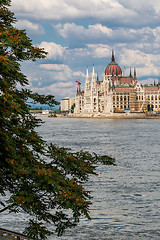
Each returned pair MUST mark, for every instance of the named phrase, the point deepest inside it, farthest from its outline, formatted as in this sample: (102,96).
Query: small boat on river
(52,115)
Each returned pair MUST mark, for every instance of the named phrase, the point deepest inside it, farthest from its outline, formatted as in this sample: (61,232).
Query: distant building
(116,93)
(67,103)
(44,112)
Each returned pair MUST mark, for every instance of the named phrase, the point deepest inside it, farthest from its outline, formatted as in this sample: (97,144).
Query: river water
(126,197)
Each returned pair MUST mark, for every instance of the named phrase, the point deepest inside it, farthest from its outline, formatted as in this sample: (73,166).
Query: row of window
(153,97)
(121,106)
(120,98)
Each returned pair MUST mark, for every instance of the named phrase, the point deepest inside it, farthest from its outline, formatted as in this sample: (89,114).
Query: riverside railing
(12,235)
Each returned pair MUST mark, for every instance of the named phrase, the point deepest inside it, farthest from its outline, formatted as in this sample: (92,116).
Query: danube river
(126,197)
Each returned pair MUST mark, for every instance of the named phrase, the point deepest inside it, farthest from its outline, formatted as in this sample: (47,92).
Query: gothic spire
(93,70)
(130,73)
(113,58)
(97,79)
(87,82)
(87,75)
(135,78)
(93,81)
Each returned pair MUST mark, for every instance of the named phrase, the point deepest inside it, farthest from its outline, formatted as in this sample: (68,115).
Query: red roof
(113,69)
(151,88)
(123,89)
(124,80)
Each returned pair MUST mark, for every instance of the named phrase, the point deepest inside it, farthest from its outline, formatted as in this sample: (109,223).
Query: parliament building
(116,93)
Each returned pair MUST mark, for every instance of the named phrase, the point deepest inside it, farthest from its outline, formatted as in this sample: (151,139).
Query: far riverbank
(117,116)
(101,116)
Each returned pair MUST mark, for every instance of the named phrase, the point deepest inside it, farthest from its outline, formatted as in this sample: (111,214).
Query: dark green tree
(42,180)
(72,107)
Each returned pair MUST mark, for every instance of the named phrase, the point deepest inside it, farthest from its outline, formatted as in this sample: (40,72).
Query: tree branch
(4,209)
(7,207)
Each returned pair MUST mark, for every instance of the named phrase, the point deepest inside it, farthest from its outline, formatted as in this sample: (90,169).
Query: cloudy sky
(77,34)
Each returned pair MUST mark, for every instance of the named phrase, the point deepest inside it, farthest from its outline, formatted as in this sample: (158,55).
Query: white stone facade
(115,93)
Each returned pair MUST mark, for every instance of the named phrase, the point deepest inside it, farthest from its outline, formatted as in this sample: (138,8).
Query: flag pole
(124,70)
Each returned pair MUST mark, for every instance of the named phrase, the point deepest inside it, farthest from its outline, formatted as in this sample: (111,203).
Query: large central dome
(113,68)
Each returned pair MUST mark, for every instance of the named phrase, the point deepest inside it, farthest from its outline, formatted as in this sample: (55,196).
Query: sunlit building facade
(116,93)
(67,103)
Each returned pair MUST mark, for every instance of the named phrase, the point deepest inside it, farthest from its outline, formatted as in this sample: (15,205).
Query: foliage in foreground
(43,180)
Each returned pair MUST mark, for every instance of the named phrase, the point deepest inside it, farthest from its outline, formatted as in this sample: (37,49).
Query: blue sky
(77,34)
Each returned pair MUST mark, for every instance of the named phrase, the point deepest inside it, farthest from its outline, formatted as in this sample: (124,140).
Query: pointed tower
(113,58)
(87,75)
(154,82)
(135,78)
(130,73)
(87,82)
(93,82)
(97,79)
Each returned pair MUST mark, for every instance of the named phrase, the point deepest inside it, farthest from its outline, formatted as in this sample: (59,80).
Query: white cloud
(60,90)
(71,30)
(61,69)
(32,28)
(132,58)
(99,50)
(101,34)
(63,9)
(146,64)
(114,12)
(55,67)
(55,51)
(64,84)
(55,79)
(149,81)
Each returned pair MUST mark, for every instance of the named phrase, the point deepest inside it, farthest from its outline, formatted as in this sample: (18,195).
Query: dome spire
(113,68)
(113,58)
